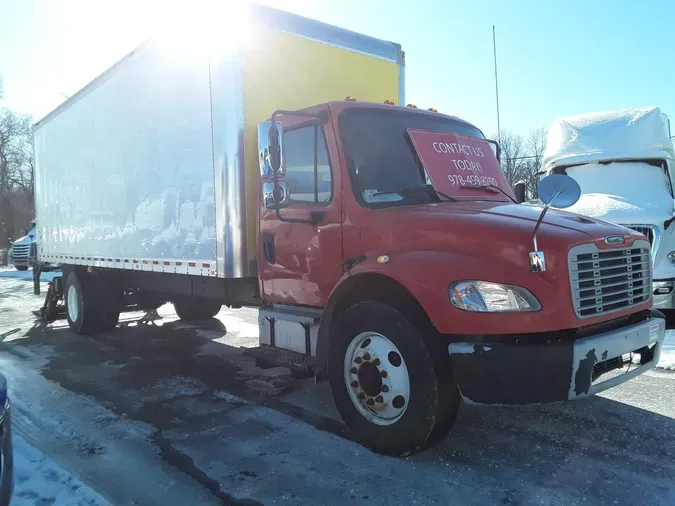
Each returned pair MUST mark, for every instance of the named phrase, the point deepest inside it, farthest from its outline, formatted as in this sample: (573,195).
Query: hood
(526,215)
(489,227)
(26,239)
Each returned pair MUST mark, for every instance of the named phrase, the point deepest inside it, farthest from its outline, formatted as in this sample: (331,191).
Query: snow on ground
(38,480)
(11,272)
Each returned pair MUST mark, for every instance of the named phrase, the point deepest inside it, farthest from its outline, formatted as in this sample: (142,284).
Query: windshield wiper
(490,187)
(414,192)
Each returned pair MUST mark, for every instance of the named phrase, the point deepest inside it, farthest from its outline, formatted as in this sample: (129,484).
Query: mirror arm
(541,218)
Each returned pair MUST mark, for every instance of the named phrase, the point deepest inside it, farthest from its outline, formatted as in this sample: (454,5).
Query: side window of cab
(308,172)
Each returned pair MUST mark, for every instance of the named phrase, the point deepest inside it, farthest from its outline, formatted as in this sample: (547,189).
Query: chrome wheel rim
(376,377)
(73,303)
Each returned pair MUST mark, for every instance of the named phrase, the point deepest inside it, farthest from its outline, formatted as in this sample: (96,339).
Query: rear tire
(91,305)
(417,368)
(196,309)
(82,309)
(21,267)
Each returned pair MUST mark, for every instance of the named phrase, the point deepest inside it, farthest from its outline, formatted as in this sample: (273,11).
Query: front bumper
(499,373)
(664,294)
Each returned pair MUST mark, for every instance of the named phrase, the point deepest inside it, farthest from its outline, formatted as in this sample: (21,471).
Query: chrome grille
(607,280)
(647,230)
(20,252)
(652,233)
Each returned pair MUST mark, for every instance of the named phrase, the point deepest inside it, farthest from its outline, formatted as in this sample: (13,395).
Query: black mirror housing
(519,191)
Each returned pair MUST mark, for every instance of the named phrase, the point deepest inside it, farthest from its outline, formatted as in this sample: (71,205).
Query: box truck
(624,162)
(380,242)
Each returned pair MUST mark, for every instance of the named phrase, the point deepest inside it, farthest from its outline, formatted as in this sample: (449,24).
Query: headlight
(485,297)
(671,257)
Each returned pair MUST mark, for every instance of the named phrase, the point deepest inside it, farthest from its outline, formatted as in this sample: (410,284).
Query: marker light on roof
(432,109)
(412,105)
(350,99)
(389,102)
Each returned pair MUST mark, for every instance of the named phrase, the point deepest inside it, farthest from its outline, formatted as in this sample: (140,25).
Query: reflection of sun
(205,27)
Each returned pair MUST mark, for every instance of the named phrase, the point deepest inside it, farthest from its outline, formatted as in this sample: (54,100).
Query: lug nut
(376,362)
(354,383)
(357,360)
(385,388)
(361,396)
(379,399)
(353,370)
(370,402)
(384,374)
(366,356)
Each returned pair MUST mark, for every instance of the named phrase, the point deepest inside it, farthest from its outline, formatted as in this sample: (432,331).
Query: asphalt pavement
(168,413)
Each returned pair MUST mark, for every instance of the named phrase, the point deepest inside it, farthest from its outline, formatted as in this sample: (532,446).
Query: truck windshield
(383,165)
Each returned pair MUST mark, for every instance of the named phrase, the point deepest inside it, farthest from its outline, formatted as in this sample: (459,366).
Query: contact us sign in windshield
(454,162)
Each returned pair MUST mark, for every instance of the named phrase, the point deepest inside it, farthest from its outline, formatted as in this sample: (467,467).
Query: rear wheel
(196,309)
(91,305)
(393,388)
(82,309)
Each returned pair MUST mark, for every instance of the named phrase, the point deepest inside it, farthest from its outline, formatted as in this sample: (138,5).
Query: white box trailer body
(153,166)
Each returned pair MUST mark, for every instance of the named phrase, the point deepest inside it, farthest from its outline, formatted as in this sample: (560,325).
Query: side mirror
(273,195)
(270,150)
(559,190)
(519,190)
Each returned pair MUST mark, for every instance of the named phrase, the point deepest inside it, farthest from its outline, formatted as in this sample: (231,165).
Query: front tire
(393,388)
(21,267)
(196,309)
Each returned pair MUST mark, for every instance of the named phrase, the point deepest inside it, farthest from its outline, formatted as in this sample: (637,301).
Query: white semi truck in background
(624,162)
(19,255)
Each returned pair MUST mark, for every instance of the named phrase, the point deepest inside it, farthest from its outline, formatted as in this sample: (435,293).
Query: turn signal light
(389,102)
(412,105)
(350,99)
(432,109)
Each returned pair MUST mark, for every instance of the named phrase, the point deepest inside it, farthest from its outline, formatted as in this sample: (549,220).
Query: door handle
(267,241)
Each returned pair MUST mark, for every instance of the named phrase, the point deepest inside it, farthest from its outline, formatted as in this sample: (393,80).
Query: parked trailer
(381,243)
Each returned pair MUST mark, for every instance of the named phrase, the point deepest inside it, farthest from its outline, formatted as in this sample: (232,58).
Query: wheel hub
(370,379)
(377,378)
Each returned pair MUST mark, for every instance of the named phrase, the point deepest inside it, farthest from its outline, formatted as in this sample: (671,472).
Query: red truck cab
(414,297)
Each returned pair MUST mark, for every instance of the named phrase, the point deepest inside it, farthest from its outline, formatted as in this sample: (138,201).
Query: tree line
(17,190)
(522,157)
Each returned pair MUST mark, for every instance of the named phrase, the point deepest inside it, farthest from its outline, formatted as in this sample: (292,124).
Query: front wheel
(21,267)
(394,389)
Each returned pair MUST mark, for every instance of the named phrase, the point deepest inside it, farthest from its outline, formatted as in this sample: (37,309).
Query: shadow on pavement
(187,379)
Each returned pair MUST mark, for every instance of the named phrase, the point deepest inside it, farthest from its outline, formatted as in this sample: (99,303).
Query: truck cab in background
(19,252)
(624,162)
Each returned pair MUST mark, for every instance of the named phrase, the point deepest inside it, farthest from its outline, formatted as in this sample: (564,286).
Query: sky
(555,58)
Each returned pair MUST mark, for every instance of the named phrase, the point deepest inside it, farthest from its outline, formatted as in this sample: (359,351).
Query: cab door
(299,262)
